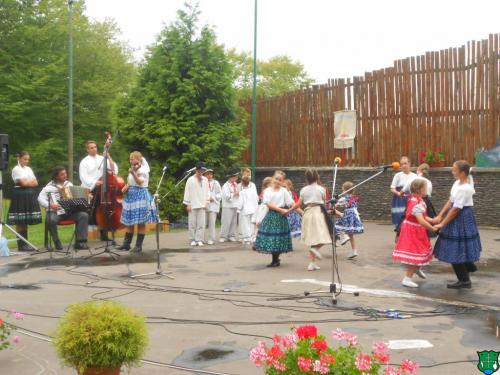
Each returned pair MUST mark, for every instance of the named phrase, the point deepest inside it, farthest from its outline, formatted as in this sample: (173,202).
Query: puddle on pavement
(210,355)
(19,286)
(491,265)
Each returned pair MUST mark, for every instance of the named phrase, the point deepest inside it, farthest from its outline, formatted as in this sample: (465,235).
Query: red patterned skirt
(413,246)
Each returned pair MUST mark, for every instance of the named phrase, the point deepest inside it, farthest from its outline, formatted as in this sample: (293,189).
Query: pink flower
(380,347)
(351,339)
(382,358)
(279,366)
(304,364)
(392,371)
(289,340)
(363,362)
(340,335)
(16,340)
(19,316)
(276,339)
(409,367)
(305,332)
(321,367)
(258,354)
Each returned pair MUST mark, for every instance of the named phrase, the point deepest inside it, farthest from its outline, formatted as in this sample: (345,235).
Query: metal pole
(70,90)
(254,94)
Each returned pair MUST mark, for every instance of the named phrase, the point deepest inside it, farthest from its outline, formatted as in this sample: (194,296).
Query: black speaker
(4,152)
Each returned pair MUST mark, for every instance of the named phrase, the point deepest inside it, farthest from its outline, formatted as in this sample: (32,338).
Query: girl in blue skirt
(399,198)
(274,231)
(138,205)
(458,242)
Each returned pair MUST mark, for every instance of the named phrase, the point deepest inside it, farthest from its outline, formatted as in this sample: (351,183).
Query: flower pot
(438,164)
(102,371)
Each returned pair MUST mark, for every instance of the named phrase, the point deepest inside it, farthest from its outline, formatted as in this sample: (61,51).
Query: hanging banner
(344,129)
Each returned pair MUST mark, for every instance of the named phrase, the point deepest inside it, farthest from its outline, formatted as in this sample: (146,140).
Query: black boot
(126,241)
(138,243)
(21,245)
(276,260)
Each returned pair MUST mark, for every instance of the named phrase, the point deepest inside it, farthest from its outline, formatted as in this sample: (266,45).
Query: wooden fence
(445,101)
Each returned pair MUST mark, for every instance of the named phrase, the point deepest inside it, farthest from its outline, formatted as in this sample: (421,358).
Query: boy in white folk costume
(214,205)
(249,202)
(230,203)
(196,199)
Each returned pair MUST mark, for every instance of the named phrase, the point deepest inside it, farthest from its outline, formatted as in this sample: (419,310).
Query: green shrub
(100,335)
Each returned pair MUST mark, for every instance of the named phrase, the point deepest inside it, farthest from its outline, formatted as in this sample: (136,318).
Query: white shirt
(280,198)
(229,200)
(407,186)
(461,194)
(400,179)
(22,173)
(215,195)
(249,199)
(313,194)
(51,191)
(142,173)
(196,192)
(91,170)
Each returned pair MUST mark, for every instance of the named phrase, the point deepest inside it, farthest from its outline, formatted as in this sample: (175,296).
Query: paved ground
(223,298)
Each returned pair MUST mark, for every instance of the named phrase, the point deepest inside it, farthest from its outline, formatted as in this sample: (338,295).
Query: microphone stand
(186,175)
(158,271)
(333,200)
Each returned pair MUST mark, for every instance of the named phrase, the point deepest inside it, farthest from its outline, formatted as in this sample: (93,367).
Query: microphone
(165,167)
(337,160)
(190,170)
(393,165)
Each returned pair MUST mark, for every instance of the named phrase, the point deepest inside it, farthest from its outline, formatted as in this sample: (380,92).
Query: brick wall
(375,195)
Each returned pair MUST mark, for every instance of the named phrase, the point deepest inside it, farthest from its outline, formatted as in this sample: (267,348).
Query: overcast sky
(333,39)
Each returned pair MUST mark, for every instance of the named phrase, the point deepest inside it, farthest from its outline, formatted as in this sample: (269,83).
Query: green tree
(277,76)
(34,78)
(184,106)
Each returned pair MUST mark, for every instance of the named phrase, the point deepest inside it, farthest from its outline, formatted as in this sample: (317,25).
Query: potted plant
(97,338)
(433,158)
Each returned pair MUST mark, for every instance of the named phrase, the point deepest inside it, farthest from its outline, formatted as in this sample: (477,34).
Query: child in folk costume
(350,222)
(230,203)
(413,247)
(274,236)
(138,205)
(24,208)
(399,198)
(458,242)
(249,202)
(214,205)
(423,173)
(294,217)
(315,232)
(262,210)
(197,199)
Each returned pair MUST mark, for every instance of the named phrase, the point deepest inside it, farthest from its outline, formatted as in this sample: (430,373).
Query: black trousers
(81,220)
(462,270)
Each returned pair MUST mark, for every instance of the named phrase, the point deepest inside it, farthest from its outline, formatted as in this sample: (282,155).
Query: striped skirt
(24,208)
(458,241)
(273,235)
(138,207)
(398,208)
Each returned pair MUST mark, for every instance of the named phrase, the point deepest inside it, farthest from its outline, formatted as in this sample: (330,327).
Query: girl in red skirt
(414,247)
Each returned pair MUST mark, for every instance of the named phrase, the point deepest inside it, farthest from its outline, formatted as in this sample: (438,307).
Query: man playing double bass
(91,172)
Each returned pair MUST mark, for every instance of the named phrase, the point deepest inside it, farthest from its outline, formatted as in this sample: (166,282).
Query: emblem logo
(488,361)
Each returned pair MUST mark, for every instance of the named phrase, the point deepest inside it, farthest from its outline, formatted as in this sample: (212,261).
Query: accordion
(74,199)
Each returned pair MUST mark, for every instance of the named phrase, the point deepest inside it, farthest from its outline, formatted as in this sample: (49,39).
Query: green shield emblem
(488,361)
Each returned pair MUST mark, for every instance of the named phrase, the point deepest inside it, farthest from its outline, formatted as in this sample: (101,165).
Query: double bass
(109,210)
